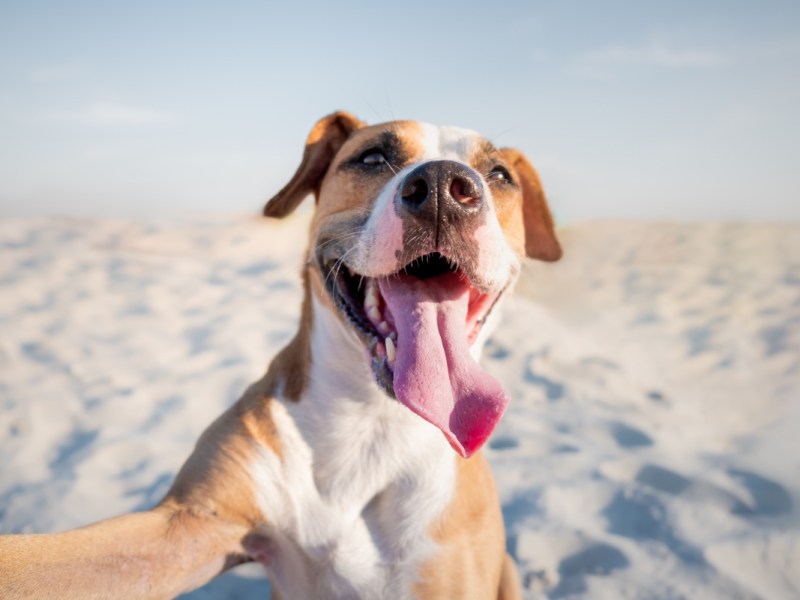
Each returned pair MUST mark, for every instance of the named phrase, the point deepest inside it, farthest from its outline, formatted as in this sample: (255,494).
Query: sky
(679,110)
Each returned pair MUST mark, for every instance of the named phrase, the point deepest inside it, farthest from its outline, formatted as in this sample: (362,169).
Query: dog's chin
(361,304)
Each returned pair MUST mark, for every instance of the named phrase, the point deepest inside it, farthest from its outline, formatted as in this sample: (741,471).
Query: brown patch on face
(521,207)
(351,187)
(349,190)
(507,197)
(539,230)
(470,539)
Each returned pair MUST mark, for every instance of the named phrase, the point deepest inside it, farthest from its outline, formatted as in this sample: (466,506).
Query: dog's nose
(441,189)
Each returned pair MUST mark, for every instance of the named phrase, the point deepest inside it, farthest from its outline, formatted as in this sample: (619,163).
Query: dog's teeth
(383,327)
(370,297)
(393,335)
(391,353)
(374,314)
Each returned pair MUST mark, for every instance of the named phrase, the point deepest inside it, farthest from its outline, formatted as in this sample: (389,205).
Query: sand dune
(652,449)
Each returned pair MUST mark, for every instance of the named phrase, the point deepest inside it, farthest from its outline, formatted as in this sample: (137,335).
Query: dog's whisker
(340,238)
(337,266)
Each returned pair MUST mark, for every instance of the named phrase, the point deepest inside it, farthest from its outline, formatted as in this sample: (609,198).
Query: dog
(352,469)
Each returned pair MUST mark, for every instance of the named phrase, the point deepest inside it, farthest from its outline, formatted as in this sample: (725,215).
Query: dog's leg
(155,554)
(194,534)
(509,581)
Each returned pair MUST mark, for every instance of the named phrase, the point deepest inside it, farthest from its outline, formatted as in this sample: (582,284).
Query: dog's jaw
(362,301)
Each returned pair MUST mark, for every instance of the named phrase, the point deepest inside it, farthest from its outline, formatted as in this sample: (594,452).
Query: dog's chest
(348,510)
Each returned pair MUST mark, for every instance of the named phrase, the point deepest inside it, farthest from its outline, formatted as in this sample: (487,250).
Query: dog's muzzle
(441,202)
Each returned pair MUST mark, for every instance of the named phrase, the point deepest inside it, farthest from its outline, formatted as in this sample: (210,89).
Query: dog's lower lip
(339,288)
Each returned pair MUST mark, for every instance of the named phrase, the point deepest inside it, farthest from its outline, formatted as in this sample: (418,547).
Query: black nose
(441,190)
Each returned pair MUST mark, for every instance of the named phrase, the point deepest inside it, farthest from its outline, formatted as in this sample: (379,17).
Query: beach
(651,448)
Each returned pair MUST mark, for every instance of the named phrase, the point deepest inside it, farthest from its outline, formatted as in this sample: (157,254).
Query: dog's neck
(339,370)
(360,440)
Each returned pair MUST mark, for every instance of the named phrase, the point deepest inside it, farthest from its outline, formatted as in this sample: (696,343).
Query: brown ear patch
(540,236)
(322,144)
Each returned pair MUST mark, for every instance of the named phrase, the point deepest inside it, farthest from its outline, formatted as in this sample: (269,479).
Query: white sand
(652,449)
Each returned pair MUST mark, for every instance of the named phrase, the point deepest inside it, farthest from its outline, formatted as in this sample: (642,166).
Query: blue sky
(658,110)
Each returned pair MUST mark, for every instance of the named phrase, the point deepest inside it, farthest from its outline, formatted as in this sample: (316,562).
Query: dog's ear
(322,144)
(540,236)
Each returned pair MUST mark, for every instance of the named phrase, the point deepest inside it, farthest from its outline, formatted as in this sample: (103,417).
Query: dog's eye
(373,158)
(498,175)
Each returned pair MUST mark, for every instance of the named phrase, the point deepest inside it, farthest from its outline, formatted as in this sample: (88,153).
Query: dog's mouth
(418,325)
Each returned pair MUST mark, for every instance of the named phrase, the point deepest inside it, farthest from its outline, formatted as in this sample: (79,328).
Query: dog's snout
(441,188)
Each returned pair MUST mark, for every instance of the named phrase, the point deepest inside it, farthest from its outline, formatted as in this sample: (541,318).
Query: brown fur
(322,144)
(156,554)
(471,539)
(540,238)
(288,372)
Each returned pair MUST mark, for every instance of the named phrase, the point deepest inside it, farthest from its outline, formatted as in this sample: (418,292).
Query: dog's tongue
(434,374)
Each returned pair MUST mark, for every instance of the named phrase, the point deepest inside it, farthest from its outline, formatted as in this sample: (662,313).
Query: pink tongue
(434,374)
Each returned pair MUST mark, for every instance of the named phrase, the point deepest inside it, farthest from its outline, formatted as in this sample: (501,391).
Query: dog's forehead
(448,142)
(426,141)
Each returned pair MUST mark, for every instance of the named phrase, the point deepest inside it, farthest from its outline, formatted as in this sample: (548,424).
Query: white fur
(375,248)
(360,480)
(497,262)
(452,143)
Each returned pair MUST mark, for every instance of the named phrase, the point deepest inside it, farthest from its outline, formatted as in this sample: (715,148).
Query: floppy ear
(540,236)
(322,144)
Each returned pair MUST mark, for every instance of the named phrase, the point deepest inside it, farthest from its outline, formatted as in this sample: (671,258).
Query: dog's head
(418,231)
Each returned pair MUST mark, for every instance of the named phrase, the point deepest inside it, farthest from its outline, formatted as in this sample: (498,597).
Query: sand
(651,450)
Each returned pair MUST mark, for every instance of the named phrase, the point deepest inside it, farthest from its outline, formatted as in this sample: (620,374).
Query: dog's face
(418,231)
